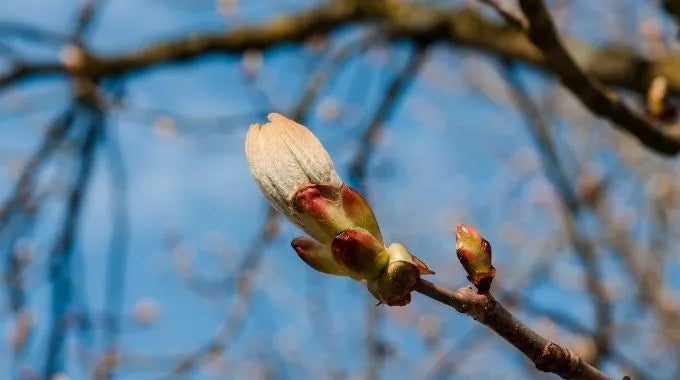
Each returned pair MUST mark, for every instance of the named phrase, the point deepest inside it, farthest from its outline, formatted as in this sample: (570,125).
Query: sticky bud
(474,253)
(316,255)
(361,255)
(319,212)
(395,284)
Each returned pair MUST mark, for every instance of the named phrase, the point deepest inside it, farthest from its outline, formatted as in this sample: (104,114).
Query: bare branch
(465,28)
(546,355)
(588,89)
(62,250)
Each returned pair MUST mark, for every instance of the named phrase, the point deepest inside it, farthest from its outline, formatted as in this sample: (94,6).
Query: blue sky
(448,155)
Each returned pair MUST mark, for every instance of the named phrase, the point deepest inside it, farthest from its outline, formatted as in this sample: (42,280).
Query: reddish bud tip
(313,199)
(360,253)
(474,253)
(316,255)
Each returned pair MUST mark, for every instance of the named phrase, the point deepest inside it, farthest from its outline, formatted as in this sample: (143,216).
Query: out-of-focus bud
(474,253)
(251,63)
(591,188)
(73,57)
(146,311)
(659,107)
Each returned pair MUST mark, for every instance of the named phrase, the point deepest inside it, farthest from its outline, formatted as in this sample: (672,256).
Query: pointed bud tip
(464,231)
(474,253)
(316,255)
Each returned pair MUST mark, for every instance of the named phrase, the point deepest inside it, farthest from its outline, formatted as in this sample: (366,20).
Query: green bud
(361,255)
(474,253)
(395,284)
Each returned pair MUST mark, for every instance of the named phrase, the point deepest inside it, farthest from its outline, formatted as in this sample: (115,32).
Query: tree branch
(588,89)
(546,355)
(465,28)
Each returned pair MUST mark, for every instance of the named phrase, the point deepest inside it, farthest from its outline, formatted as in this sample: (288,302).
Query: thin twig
(62,250)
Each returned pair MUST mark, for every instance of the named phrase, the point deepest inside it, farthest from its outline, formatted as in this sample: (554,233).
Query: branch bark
(466,28)
(546,355)
(588,89)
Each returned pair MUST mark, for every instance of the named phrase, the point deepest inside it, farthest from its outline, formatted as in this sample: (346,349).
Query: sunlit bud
(164,126)
(320,212)
(659,106)
(474,253)
(297,176)
(145,311)
(394,286)
(361,255)
(283,157)
(251,62)
(73,57)
(316,255)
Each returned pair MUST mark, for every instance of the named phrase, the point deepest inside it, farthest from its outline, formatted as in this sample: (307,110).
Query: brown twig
(673,7)
(546,355)
(465,28)
(588,89)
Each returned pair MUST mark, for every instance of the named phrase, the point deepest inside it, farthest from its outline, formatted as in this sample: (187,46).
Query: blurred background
(135,245)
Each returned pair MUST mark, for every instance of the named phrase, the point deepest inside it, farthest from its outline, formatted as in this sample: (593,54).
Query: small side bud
(474,253)
(316,255)
(394,286)
(659,107)
(360,254)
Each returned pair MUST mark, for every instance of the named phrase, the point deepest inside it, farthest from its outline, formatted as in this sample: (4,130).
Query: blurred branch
(357,168)
(16,216)
(53,137)
(483,308)
(244,271)
(85,18)
(510,16)
(587,88)
(118,244)
(244,277)
(585,249)
(651,287)
(320,77)
(22,70)
(62,250)
(466,28)
(673,7)
(395,90)
(30,33)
